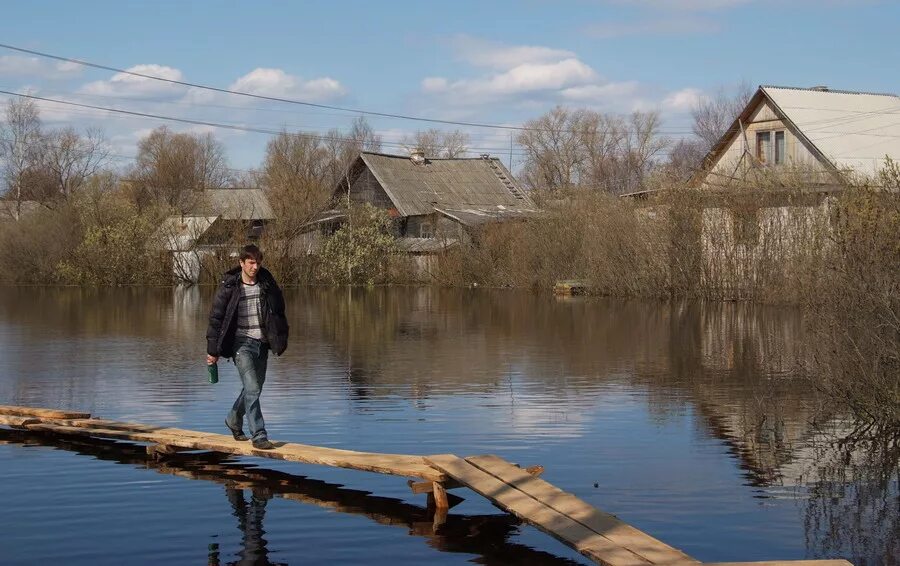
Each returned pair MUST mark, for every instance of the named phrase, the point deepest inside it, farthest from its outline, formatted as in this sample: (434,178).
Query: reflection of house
(435,202)
(220,217)
(825,133)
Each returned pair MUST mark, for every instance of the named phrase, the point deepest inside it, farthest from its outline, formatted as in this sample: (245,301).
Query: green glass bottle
(213,371)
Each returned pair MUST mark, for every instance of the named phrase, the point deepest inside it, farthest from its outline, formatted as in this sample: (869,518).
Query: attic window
(770,147)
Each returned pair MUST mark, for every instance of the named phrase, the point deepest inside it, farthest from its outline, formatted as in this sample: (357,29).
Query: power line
(276,98)
(259,96)
(266,131)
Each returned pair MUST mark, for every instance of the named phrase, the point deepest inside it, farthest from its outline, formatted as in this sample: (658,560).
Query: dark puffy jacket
(223,314)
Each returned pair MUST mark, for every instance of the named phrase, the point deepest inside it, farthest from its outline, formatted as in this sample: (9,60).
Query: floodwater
(691,421)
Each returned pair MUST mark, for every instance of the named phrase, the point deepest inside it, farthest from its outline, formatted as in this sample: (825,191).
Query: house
(768,183)
(218,218)
(827,135)
(435,202)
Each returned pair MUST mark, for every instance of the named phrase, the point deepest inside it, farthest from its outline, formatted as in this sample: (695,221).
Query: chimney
(417,156)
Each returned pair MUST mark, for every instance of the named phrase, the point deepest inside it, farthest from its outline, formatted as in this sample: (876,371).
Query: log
(42,413)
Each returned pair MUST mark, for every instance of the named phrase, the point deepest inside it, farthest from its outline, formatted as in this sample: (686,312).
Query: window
(425,230)
(779,148)
(770,151)
(763,145)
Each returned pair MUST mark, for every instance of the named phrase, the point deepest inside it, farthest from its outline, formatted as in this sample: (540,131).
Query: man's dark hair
(251,251)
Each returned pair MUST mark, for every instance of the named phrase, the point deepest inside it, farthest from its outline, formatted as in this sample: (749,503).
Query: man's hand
(210,360)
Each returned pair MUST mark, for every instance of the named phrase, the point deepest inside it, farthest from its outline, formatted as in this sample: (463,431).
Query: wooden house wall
(366,189)
(764,118)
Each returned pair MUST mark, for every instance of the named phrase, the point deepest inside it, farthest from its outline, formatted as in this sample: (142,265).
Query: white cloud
(520,80)
(661,27)
(276,82)
(484,53)
(434,84)
(683,100)
(126,85)
(21,66)
(595,92)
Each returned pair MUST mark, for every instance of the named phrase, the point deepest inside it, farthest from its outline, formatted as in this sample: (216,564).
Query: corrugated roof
(455,183)
(854,130)
(239,204)
(425,245)
(474,217)
(179,233)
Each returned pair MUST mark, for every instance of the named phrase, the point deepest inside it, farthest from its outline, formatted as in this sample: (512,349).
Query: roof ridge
(830,90)
(429,158)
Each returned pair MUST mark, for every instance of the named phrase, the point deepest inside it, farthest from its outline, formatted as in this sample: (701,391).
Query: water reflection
(525,370)
(487,536)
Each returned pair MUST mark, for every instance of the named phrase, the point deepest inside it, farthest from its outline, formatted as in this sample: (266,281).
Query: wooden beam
(418,487)
(836,562)
(440,496)
(17,422)
(619,532)
(394,464)
(161,450)
(42,413)
(589,543)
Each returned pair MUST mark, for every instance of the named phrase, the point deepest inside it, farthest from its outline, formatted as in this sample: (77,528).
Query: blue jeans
(251,358)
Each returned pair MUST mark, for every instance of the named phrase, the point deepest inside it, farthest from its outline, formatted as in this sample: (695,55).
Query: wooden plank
(619,532)
(17,422)
(584,540)
(440,496)
(428,487)
(42,413)
(833,562)
(393,464)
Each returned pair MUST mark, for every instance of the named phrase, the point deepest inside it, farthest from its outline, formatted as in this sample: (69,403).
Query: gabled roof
(445,183)
(847,130)
(180,233)
(474,217)
(238,204)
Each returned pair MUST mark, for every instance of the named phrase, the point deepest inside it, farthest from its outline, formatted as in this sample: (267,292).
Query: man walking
(245,322)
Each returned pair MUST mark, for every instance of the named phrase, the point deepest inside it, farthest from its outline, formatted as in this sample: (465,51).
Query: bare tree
(438,143)
(296,176)
(586,149)
(713,116)
(554,152)
(344,147)
(173,168)
(21,146)
(70,159)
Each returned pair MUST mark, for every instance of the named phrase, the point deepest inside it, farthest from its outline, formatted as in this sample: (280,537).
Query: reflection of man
(246,321)
(250,522)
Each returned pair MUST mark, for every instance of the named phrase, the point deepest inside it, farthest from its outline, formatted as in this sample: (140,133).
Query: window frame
(772,157)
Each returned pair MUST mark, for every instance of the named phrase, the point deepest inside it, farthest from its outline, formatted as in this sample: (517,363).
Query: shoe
(237,434)
(263,444)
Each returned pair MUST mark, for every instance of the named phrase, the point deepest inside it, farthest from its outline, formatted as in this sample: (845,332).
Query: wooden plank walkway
(597,535)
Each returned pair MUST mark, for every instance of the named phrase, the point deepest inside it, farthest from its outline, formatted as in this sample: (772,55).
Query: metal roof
(239,204)
(179,233)
(474,217)
(853,130)
(446,183)
(425,245)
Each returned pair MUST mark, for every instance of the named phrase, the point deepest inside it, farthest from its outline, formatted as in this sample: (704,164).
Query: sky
(492,62)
